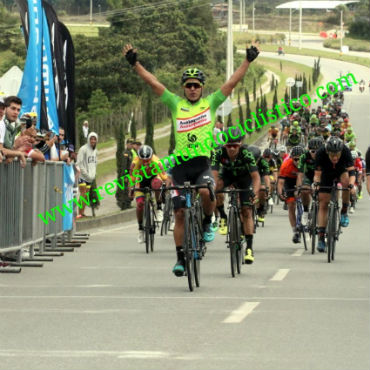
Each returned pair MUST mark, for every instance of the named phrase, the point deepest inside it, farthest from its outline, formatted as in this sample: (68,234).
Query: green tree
(286,96)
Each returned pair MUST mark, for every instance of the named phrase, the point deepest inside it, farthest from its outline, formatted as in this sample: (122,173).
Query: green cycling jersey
(193,123)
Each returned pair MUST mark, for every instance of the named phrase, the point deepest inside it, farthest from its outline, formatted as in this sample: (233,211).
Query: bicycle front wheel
(313,226)
(331,232)
(152,229)
(188,251)
(233,235)
(147,225)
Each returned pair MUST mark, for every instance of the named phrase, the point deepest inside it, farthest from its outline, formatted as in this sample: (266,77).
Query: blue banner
(68,182)
(48,78)
(30,90)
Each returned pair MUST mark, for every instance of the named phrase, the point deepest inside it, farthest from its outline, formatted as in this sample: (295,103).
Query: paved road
(108,305)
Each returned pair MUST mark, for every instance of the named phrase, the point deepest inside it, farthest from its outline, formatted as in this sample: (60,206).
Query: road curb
(108,220)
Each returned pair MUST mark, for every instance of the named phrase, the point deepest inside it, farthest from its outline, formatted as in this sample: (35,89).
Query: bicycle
(333,228)
(299,226)
(149,218)
(194,245)
(234,239)
(167,215)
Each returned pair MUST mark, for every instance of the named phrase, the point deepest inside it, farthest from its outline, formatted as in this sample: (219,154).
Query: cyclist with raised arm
(286,187)
(333,162)
(234,165)
(148,168)
(193,120)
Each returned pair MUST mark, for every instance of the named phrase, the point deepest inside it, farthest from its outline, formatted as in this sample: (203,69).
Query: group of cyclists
(309,150)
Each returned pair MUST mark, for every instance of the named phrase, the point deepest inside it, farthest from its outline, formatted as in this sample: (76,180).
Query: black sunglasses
(196,85)
(232,145)
(296,159)
(313,151)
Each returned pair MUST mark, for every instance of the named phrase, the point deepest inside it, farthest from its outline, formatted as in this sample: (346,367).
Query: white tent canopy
(10,82)
(314,4)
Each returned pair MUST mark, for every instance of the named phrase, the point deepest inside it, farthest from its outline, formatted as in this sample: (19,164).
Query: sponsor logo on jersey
(191,123)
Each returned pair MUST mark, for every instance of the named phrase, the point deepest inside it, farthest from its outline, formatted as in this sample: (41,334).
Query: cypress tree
(149,135)
(257,111)
(122,197)
(286,96)
(172,140)
(241,116)
(230,120)
(254,89)
(133,127)
(275,99)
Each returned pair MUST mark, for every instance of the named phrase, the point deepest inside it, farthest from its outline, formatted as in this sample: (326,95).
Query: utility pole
(300,24)
(290,26)
(229,55)
(341,31)
(240,14)
(253,16)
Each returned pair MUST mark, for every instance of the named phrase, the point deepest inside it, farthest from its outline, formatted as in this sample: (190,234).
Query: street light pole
(341,31)
(290,25)
(241,14)
(253,16)
(300,24)
(229,55)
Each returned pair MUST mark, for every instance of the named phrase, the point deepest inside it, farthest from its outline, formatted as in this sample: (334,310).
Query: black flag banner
(63,68)
(23,9)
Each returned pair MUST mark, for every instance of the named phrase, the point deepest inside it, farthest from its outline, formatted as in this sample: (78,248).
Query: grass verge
(315,53)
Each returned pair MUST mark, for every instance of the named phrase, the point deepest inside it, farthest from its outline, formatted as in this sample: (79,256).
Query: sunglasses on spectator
(232,146)
(196,85)
(296,159)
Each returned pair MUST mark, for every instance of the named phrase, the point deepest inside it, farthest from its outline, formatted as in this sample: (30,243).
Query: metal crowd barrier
(25,193)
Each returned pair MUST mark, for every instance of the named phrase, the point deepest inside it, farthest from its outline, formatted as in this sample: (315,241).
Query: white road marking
(235,298)
(241,313)
(280,275)
(298,252)
(82,353)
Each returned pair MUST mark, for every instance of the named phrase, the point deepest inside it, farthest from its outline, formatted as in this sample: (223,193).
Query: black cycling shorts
(241,183)
(196,170)
(328,178)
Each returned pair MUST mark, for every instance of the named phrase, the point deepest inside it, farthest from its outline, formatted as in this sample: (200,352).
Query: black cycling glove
(252,53)
(131,56)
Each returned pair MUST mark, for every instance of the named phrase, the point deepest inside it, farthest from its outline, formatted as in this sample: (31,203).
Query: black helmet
(296,151)
(316,143)
(234,135)
(334,145)
(267,152)
(193,73)
(255,150)
(145,152)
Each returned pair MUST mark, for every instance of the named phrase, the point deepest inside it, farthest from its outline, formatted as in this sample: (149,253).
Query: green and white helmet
(193,73)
